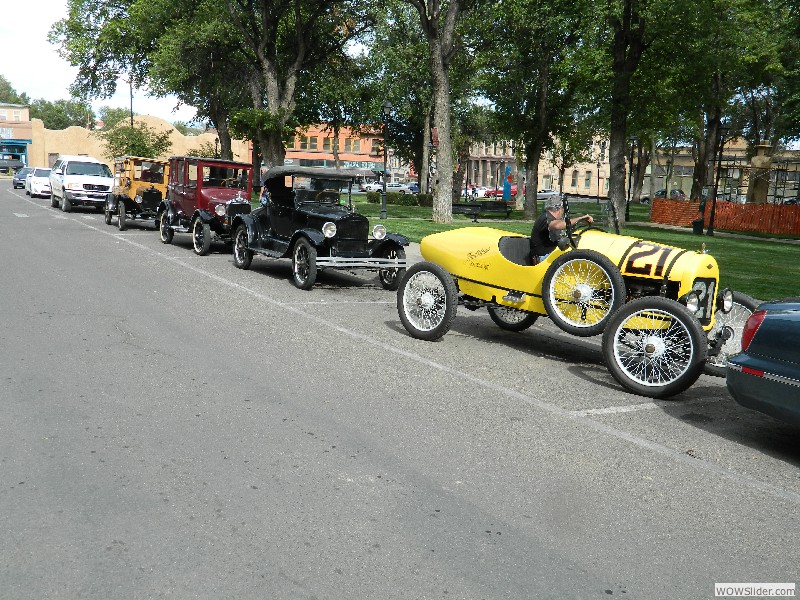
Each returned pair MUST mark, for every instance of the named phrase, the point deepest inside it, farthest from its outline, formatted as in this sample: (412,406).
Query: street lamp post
(386,110)
(634,141)
(722,132)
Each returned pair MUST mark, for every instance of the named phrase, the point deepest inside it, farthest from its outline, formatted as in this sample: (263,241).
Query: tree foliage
(139,140)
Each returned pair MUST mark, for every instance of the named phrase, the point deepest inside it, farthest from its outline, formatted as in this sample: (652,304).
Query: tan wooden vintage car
(140,185)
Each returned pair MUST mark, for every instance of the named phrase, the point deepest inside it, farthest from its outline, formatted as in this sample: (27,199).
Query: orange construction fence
(764,218)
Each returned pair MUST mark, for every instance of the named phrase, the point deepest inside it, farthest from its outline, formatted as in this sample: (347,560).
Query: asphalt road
(172,427)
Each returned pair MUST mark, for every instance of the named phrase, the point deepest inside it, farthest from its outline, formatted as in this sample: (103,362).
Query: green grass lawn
(765,270)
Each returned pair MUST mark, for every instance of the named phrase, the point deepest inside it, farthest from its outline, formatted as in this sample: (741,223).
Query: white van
(79,181)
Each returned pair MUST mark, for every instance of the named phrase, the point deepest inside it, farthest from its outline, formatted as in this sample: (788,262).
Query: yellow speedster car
(654,304)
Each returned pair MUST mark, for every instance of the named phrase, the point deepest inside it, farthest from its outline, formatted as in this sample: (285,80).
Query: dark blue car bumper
(756,384)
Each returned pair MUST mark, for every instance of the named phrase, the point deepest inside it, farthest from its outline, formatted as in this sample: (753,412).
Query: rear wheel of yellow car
(580,291)
(512,319)
(654,346)
(427,301)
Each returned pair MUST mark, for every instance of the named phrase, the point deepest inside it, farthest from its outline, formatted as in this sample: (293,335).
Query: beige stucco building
(47,144)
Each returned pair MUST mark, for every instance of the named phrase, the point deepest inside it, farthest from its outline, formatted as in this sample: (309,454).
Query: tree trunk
(425,167)
(533,153)
(439,30)
(627,50)
(705,148)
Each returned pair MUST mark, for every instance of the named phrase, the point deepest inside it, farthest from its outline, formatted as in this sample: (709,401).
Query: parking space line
(681,458)
(20,215)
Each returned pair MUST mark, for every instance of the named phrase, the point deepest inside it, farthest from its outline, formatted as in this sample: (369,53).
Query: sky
(32,65)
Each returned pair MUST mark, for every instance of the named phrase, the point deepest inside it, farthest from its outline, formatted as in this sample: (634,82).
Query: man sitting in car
(548,228)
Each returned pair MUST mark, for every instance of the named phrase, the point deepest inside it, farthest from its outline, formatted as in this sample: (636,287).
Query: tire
(654,347)
(743,307)
(53,201)
(242,257)
(122,221)
(163,228)
(427,301)
(304,264)
(512,319)
(581,290)
(390,278)
(201,237)
(66,205)
(108,214)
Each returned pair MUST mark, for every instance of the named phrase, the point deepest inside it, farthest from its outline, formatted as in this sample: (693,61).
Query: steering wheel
(327,192)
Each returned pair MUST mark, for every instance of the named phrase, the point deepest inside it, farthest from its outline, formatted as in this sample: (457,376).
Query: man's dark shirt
(542,241)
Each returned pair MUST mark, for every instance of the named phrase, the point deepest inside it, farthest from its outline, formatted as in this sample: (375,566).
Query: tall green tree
(438,20)
(539,55)
(283,41)
(139,140)
(62,113)
(9,95)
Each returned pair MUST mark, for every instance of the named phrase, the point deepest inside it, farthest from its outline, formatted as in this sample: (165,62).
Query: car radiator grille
(351,248)
(238,209)
(91,187)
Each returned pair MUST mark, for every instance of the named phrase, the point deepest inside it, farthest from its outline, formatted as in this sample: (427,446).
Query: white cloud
(32,65)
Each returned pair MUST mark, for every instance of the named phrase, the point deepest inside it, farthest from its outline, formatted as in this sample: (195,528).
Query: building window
(3,115)
(326,144)
(17,115)
(588,181)
(376,147)
(303,142)
(312,143)
(353,145)
(575,178)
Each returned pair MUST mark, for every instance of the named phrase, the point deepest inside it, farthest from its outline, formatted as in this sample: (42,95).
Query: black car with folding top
(307,214)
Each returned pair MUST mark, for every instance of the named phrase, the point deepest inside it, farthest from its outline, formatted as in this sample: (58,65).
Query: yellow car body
(474,258)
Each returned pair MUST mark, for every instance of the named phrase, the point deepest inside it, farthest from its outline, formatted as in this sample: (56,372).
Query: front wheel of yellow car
(654,346)
(427,301)
(581,290)
(511,319)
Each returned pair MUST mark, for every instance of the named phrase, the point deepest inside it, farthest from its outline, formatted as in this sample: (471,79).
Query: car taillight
(750,328)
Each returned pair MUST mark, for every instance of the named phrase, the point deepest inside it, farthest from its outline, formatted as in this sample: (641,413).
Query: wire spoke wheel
(580,291)
(427,301)
(743,307)
(654,347)
(511,319)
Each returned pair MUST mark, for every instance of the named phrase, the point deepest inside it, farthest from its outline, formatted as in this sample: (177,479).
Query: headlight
(692,301)
(138,199)
(725,300)
(74,186)
(329,229)
(219,209)
(379,232)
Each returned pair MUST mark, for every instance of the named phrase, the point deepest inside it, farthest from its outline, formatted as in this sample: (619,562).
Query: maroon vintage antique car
(203,196)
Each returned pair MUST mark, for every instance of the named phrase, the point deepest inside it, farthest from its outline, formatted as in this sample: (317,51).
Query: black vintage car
(307,214)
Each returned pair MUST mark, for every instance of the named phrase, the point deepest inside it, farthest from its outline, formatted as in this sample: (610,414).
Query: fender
(166,205)
(376,247)
(111,202)
(313,236)
(249,222)
(397,238)
(204,216)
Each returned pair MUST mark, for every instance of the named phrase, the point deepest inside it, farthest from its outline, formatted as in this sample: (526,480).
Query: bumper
(86,199)
(771,394)
(342,262)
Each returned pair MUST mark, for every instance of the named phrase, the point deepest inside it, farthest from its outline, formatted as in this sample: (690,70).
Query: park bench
(479,207)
